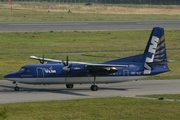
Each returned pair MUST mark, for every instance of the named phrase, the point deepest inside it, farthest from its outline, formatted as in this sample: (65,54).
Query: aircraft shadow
(120,89)
(10,89)
(31,90)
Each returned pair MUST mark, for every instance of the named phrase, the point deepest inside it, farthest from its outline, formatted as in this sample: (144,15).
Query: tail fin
(155,58)
(156,48)
(155,51)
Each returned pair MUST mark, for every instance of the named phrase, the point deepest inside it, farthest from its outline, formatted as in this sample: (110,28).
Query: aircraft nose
(7,76)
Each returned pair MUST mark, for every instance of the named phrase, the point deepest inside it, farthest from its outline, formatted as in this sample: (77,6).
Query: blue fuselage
(78,74)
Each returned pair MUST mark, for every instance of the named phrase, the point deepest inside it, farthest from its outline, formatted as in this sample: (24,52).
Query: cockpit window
(22,69)
(25,69)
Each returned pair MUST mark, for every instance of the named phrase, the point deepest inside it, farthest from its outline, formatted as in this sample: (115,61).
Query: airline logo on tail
(152,50)
(155,50)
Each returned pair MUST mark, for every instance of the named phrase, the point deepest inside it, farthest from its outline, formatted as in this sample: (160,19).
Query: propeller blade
(67,61)
(43,58)
(63,63)
(67,66)
(42,61)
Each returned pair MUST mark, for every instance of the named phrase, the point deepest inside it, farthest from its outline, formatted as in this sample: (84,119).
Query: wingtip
(170,60)
(32,57)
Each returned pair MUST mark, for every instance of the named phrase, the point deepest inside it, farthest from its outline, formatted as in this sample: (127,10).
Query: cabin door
(125,74)
(40,75)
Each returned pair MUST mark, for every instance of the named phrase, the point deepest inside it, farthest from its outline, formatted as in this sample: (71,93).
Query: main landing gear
(94,87)
(16,88)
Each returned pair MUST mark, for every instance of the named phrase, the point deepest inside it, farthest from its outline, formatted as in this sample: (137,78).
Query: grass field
(29,12)
(15,48)
(166,96)
(115,108)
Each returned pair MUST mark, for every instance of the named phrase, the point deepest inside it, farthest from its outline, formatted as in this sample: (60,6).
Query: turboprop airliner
(152,62)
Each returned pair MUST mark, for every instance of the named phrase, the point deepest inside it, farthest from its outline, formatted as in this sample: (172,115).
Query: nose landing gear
(69,85)
(16,88)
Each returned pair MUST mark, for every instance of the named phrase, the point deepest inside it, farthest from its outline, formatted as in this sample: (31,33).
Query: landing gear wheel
(69,85)
(16,88)
(94,88)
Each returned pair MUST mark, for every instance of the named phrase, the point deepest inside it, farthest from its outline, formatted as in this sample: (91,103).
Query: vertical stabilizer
(156,49)
(155,53)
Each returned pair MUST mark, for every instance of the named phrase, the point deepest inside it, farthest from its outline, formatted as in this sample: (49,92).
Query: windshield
(22,69)
(25,69)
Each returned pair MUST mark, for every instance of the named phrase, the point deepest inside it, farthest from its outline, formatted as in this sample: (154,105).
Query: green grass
(166,96)
(33,12)
(115,108)
(26,16)
(15,48)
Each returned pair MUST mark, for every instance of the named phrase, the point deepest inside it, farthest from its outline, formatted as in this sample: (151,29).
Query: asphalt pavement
(86,25)
(30,93)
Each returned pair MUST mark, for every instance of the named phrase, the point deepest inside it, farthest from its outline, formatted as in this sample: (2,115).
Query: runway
(29,93)
(86,25)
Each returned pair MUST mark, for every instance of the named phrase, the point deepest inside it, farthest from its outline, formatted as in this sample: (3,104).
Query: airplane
(152,62)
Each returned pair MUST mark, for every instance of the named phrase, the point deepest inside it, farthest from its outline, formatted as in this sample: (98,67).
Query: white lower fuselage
(76,80)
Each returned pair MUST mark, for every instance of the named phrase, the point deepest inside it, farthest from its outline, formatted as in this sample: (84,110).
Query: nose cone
(10,76)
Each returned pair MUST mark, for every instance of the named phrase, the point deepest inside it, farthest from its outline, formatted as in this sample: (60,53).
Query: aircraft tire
(94,88)
(16,88)
(69,85)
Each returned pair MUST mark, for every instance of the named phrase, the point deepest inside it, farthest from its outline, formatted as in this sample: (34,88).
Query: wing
(44,59)
(93,68)
(105,69)
(53,60)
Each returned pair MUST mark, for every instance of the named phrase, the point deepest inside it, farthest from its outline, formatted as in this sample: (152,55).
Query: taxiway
(30,93)
(87,25)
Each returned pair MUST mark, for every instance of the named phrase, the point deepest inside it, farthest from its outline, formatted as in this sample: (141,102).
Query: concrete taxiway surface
(29,93)
(87,25)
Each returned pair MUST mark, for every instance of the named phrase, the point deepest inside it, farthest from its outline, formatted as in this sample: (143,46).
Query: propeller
(66,65)
(67,61)
(42,61)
